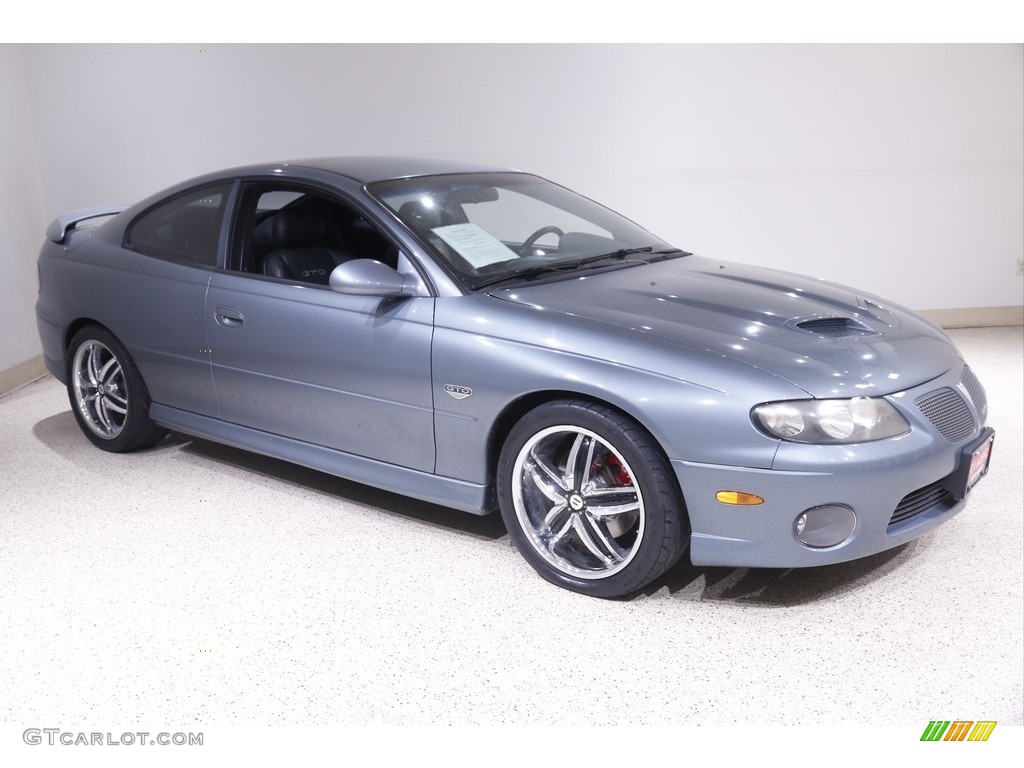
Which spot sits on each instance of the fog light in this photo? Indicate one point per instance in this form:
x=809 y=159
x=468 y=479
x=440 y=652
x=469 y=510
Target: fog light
x=826 y=526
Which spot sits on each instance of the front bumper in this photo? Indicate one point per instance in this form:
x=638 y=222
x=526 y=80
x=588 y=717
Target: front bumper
x=898 y=488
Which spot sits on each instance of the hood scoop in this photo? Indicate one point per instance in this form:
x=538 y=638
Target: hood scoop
x=836 y=327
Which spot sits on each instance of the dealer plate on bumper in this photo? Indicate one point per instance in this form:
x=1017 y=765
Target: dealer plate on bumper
x=974 y=462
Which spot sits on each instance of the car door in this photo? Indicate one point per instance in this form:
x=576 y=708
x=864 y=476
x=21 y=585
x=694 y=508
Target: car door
x=292 y=357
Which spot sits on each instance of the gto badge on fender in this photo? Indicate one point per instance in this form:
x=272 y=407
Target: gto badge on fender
x=459 y=393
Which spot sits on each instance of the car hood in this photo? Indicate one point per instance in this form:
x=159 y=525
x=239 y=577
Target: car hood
x=829 y=340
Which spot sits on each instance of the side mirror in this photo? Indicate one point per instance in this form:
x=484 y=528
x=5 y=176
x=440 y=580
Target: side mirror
x=368 y=277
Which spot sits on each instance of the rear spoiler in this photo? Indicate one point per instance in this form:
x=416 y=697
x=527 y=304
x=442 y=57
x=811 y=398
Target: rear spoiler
x=59 y=227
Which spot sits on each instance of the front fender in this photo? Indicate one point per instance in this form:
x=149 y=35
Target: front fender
x=695 y=404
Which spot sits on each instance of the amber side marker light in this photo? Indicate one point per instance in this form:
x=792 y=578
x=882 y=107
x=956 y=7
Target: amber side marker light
x=739 y=498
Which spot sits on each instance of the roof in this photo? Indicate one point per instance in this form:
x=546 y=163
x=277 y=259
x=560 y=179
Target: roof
x=380 y=168
x=362 y=170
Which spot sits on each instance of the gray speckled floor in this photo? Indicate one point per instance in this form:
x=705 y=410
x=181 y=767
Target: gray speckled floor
x=194 y=583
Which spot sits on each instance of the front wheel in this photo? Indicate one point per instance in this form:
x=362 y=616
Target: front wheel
x=107 y=394
x=589 y=499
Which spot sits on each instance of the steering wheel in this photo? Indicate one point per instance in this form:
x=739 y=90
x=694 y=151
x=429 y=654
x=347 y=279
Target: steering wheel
x=528 y=243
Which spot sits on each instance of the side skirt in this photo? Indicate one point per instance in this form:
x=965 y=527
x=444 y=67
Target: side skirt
x=446 y=491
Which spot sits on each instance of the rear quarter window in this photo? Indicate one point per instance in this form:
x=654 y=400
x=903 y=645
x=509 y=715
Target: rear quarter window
x=185 y=229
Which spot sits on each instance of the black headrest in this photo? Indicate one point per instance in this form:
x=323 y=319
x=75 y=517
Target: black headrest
x=293 y=229
x=420 y=215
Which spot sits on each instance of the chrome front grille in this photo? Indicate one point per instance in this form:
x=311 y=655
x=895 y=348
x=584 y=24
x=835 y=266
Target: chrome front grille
x=945 y=409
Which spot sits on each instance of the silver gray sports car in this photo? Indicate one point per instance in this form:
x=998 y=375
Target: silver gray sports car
x=483 y=338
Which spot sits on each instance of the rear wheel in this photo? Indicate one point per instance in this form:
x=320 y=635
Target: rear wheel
x=589 y=499
x=107 y=394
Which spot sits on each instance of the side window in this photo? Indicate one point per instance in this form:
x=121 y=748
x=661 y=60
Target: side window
x=185 y=229
x=300 y=234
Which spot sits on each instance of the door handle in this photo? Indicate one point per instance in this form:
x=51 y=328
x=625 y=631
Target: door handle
x=228 y=317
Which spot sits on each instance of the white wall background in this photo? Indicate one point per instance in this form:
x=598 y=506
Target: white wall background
x=21 y=216
x=899 y=169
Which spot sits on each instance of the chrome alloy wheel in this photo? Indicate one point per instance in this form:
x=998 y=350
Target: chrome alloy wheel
x=100 y=393
x=576 y=500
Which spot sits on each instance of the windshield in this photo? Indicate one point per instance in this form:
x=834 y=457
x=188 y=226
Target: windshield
x=504 y=227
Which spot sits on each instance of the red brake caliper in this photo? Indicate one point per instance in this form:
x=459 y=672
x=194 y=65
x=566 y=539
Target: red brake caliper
x=618 y=471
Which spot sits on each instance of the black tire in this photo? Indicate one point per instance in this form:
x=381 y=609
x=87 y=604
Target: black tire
x=107 y=394
x=590 y=500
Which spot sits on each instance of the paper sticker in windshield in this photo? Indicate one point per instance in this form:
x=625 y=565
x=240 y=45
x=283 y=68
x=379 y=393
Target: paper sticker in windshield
x=474 y=244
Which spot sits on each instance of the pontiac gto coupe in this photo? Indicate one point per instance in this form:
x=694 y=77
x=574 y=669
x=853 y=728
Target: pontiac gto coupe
x=483 y=338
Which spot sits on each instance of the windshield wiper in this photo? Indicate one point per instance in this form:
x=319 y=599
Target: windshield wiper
x=619 y=254
x=530 y=273
x=565 y=266
x=622 y=253
x=668 y=253
x=527 y=274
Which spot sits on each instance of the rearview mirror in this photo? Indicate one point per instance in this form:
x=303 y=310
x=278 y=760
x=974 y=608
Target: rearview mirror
x=473 y=195
x=368 y=277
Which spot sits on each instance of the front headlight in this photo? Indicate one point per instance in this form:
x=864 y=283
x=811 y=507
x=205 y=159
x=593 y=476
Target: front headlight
x=857 y=420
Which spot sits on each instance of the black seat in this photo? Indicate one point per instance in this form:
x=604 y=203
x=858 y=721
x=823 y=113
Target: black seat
x=299 y=248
